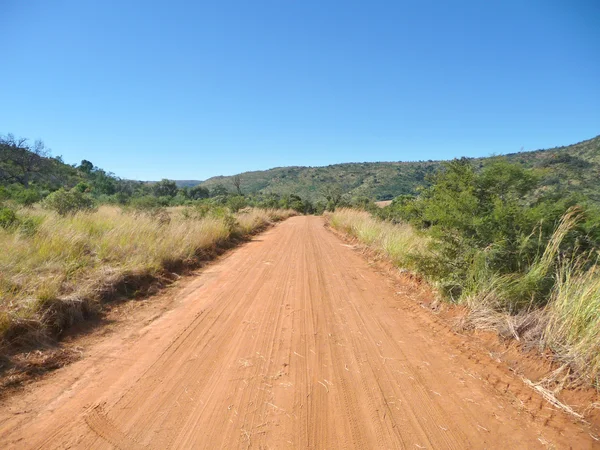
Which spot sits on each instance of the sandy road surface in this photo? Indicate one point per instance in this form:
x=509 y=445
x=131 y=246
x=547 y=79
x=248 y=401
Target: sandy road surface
x=291 y=341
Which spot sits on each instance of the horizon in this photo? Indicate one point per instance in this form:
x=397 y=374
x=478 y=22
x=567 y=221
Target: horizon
x=189 y=92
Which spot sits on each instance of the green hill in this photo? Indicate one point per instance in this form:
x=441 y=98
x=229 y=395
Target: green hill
x=575 y=167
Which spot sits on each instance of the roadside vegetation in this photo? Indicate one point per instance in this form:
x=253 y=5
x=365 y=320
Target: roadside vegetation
x=522 y=257
x=75 y=237
x=515 y=238
x=58 y=269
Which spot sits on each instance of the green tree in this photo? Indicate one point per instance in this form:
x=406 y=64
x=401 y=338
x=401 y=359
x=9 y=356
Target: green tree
x=165 y=188
x=86 y=166
x=236 y=202
x=219 y=190
x=103 y=183
x=237 y=182
x=198 y=192
x=333 y=194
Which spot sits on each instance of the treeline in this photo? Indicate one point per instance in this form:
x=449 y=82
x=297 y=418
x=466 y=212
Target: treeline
x=30 y=175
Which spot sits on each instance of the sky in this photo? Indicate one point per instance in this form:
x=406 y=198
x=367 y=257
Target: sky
x=189 y=90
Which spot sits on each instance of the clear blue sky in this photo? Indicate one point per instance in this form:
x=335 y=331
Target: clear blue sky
x=188 y=90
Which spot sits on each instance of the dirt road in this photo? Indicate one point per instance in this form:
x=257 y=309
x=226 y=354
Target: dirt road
x=291 y=341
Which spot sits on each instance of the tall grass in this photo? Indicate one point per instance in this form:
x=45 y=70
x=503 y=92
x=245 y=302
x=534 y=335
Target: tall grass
x=515 y=292
x=573 y=314
x=54 y=270
x=396 y=242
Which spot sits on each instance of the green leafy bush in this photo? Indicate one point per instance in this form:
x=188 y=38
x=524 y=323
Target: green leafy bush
x=68 y=202
x=236 y=202
x=8 y=218
x=492 y=224
x=144 y=203
x=27 y=197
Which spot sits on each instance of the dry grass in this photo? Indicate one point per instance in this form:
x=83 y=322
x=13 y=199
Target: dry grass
x=573 y=320
x=396 y=242
x=57 y=271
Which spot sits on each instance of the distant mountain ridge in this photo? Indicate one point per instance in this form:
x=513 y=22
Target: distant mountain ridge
x=575 y=167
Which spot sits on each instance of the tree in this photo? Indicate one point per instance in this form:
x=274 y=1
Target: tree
x=165 y=188
x=333 y=195
x=219 y=190
x=103 y=182
x=198 y=192
x=86 y=166
x=237 y=182
x=19 y=160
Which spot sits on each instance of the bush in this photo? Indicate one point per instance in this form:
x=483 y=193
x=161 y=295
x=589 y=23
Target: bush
x=236 y=202
x=20 y=195
x=82 y=187
x=4 y=194
x=145 y=203
x=8 y=218
x=198 y=193
x=68 y=202
x=492 y=223
x=27 y=197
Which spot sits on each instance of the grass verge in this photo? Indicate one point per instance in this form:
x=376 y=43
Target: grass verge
x=58 y=270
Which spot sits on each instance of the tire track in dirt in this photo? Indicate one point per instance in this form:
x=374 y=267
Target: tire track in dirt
x=292 y=341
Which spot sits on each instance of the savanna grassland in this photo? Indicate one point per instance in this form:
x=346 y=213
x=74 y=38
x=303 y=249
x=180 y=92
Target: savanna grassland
x=514 y=238
x=60 y=269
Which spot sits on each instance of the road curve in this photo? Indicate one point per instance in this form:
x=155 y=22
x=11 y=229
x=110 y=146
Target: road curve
x=291 y=341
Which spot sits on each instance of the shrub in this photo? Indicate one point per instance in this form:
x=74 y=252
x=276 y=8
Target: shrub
x=82 y=187
x=8 y=218
x=68 y=202
x=27 y=197
x=236 y=202
x=198 y=193
x=20 y=195
x=4 y=194
x=145 y=203
x=489 y=222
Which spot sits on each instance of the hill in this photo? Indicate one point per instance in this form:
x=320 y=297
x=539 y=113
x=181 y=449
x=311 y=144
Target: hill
x=574 y=167
x=29 y=172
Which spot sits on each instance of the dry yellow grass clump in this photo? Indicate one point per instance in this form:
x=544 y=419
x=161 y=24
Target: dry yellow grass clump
x=57 y=270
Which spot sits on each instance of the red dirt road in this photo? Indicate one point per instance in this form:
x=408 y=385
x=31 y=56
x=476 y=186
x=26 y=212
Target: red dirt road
x=292 y=341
